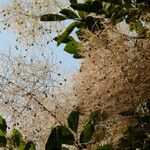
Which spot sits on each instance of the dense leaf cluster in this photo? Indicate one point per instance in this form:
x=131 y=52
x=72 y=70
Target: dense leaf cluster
x=70 y=135
x=15 y=140
x=135 y=13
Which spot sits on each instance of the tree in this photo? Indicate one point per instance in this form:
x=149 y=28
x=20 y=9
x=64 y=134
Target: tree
x=22 y=17
x=114 y=73
x=15 y=140
x=32 y=94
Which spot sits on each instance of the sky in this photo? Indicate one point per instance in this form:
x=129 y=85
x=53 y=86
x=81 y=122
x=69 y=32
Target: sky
x=8 y=43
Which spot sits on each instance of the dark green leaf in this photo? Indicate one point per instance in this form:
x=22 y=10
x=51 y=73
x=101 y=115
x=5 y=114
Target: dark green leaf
x=73 y=1
x=73 y=120
x=69 y=13
x=54 y=140
x=88 y=7
x=118 y=15
x=86 y=134
x=16 y=138
x=77 y=56
x=93 y=24
x=127 y=113
x=3 y=139
x=72 y=47
x=30 y=146
x=68 y=39
x=52 y=17
x=66 y=33
x=146 y=119
x=116 y=2
x=82 y=14
x=148 y=105
x=66 y=135
x=94 y=117
x=58 y=136
x=3 y=125
x=105 y=147
x=109 y=10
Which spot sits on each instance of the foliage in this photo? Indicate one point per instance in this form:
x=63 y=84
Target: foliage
x=81 y=20
x=134 y=13
x=136 y=136
x=15 y=140
x=22 y=17
x=69 y=135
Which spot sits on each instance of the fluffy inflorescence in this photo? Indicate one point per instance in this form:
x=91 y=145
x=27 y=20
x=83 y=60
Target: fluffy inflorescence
x=114 y=77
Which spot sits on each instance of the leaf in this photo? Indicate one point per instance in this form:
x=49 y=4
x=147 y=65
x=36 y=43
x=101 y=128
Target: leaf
x=66 y=33
x=82 y=14
x=93 y=24
x=52 y=17
x=146 y=119
x=86 y=134
x=30 y=146
x=16 y=138
x=109 y=10
x=105 y=147
x=77 y=56
x=3 y=139
x=54 y=140
x=3 y=125
x=148 y=105
x=68 y=39
x=72 y=47
x=95 y=6
x=73 y=1
x=94 y=117
x=73 y=120
x=66 y=135
x=69 y=13
x=127 y=113
x=59 y=135
x=118 y=15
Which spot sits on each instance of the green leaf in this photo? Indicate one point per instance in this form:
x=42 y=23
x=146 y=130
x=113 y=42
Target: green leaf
x=69 y=13
x=30 y=146
x=88 y=7
x=73 y=1
x=146 y=119
x=3 y=139
x=58 y=136
x=118 y=15
x=94 y=117
x=128 y=113
x=16 y=138
x=68 y=39
x=3 y=125
x=73 y=120
x=109 y=10
x=66 y=135
x=86 y=134
x=66 y=33
x=77 y=56
x=54 y=140
x=105 y=147
x=52 y=17
x=72 y=47
x=148 y=105
x=82 y=14
x=21 y=146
